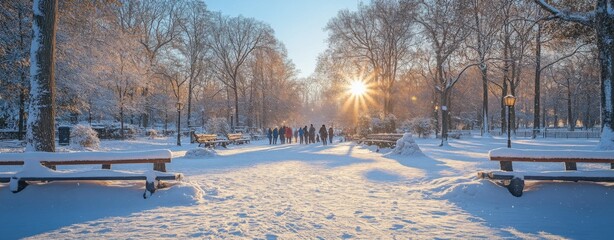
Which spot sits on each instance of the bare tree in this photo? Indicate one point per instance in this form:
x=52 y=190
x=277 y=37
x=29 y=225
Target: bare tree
x=380 y=35
x=485 y=25
x=601 y=19
x=41 y=120
x=232 y=40
x=445 y=29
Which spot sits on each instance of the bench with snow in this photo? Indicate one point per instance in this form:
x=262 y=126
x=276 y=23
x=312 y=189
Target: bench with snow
x=381 y=140
x=514 y=181
x=237 y=138
x=209 y=140
x=41 y=166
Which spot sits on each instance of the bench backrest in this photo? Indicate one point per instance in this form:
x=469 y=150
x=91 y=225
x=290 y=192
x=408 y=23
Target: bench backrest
x=391 y=137
x=204 y=137
x=235 y=136
x=79 y=158
x=526 y=155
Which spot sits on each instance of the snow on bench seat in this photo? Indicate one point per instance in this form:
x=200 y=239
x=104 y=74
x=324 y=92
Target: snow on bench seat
x=36 y=167
x=529 y=155
x=157 y=157
x=84 y=156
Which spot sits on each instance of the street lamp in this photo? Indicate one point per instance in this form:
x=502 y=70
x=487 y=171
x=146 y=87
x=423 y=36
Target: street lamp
x=179 y=105
x=436 y=121
x=509 y=101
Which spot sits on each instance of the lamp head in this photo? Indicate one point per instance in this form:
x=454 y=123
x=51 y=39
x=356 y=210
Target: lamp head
x=509 y=100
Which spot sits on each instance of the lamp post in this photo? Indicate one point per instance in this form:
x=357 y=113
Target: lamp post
x=509 y=101
x=436 y=121
x=179 y=105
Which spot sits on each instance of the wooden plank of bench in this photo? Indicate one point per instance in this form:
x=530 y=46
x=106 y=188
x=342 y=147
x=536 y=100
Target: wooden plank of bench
x=158 y=164
x=550 y=159
x=598 y=176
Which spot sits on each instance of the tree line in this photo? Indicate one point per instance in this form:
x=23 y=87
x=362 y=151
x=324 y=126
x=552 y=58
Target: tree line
x=138 y=61
x=456 y=61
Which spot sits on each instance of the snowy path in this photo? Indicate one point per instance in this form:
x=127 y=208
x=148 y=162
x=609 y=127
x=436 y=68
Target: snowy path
x=315 y=192
x=258 y=191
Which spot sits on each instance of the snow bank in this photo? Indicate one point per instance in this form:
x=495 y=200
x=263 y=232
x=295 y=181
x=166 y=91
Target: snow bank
x=200 y=153
x=85 y=156
x=406 y=146
x=527 y=153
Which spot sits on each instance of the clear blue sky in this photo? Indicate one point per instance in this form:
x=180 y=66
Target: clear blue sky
x=298 y=24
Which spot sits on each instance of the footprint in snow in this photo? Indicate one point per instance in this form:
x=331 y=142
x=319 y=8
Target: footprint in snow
x=270 y=237
x=396 y=227
x=330 y=216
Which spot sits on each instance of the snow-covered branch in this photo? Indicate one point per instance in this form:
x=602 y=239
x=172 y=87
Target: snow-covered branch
x=582 y=18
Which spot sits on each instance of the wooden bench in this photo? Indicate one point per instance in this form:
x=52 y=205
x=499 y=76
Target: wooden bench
x=209 y=140
x=41 y=166
x=237 y=138
x=514 y=181
x=381 y=140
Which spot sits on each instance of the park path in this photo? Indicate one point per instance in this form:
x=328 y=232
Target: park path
x=297 y=192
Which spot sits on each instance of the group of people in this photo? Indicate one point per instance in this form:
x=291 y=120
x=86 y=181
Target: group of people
x=303 y=135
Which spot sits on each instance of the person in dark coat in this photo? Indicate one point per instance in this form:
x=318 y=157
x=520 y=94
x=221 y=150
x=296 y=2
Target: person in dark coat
x=301 y=135
x=306 y=134
x=282 y=134
x=275 y=133
x=330 y=134
x=269 y=134
x=323 y=134
x=312 y=134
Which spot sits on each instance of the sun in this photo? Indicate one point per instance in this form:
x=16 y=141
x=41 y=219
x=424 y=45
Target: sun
x=358 y=88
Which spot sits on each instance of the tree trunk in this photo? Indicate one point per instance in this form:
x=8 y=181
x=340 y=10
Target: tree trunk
x=41 y=120
x=605 y=43
x=121 y=121
x=22 y=112
x=536 y=98
x=444 y=116
x=188 y=119
x=484 y=131
x=570 y=121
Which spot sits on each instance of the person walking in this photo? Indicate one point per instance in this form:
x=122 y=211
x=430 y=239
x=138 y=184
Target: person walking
x=282 y=134
x=312 y=134
x=306 y=134
x=301 y=134
x=288 y=135
x=323 y=135
x=275 y=133
x=296 y=135
x=330 y=134
x=269 y=135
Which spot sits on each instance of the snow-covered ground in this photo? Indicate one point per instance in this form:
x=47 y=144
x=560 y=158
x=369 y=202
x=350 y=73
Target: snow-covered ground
x=342 y=190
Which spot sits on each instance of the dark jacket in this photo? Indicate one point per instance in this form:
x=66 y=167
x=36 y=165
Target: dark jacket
x=323 y=132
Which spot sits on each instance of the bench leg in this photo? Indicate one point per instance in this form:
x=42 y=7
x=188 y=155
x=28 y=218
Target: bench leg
x=570 y=166
x=160 y=167
x=516 y=187
x=150 y=188
x=16 y=185
x=506 y=166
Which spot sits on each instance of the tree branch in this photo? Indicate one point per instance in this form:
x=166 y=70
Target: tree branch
x=586 y=19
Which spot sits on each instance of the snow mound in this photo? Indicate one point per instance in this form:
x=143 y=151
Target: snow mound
x=200 y=153
x=406 y=146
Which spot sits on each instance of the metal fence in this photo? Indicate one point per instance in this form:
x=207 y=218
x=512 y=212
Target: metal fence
x=553 y=133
